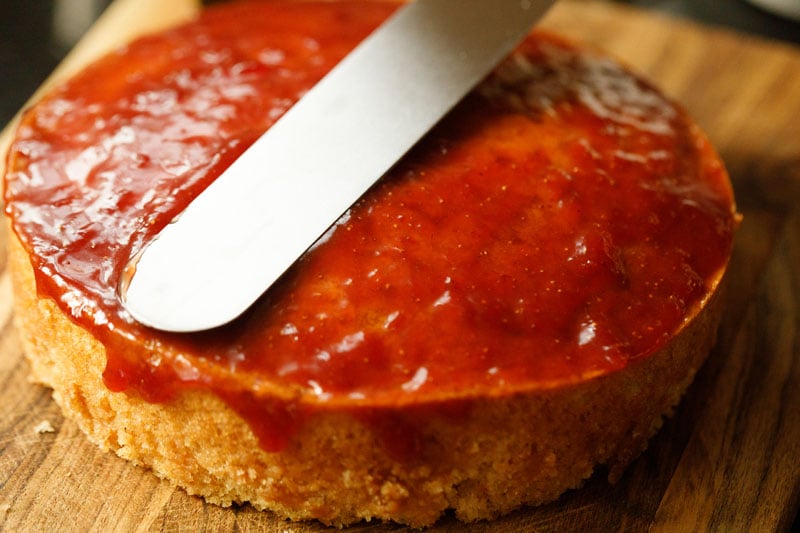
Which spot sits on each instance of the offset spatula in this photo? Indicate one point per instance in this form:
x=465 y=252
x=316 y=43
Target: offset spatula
x=249 y=226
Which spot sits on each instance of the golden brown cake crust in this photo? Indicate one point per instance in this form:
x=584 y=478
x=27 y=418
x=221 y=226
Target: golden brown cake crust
x=524 y=449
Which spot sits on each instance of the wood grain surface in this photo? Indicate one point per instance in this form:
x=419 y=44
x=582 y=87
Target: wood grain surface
x=728 y=459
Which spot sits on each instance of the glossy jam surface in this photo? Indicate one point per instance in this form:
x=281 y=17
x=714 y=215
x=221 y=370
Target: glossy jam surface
x=562 y=222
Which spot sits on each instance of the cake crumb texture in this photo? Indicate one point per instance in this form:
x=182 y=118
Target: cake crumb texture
x=508 y=452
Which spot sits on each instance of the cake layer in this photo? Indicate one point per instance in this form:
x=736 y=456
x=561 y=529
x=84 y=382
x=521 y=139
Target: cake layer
x=521 y=298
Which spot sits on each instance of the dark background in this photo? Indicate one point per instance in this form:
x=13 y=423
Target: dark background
x=36 y=34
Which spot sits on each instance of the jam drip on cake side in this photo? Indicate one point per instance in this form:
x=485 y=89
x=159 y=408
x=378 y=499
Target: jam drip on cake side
x=563 y=221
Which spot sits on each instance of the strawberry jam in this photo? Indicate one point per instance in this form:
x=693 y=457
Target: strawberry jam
x=563 y=222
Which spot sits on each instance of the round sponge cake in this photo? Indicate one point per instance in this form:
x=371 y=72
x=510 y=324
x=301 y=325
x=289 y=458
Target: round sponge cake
x=522 y=298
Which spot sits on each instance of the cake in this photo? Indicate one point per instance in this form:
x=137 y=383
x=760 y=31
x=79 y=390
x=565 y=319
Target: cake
x=521 y=299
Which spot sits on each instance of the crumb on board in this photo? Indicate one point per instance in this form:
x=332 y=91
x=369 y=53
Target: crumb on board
x=44 y=427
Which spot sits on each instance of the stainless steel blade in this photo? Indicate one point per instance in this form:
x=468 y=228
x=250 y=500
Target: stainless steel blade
x=249 y=226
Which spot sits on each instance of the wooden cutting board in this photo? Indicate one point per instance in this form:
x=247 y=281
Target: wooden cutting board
x=728 y=460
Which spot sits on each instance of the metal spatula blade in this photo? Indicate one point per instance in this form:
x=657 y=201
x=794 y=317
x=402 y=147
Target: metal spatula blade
x=249 y=226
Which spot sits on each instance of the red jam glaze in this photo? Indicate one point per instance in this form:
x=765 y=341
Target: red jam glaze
x=565 y=220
